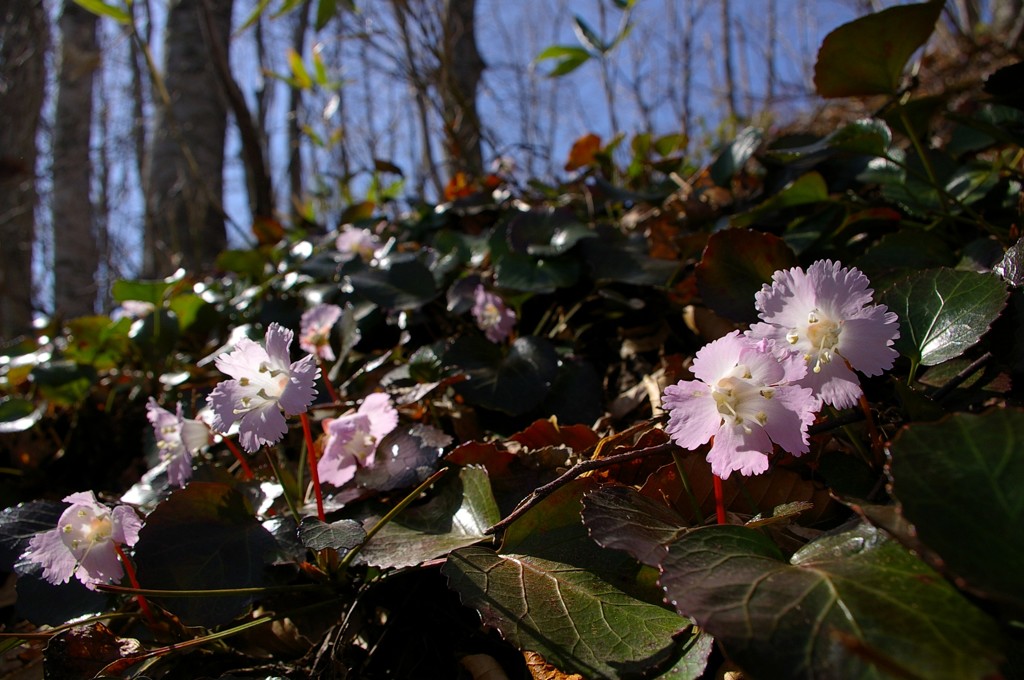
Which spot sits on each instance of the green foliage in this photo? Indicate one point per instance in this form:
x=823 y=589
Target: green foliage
x=891 y=549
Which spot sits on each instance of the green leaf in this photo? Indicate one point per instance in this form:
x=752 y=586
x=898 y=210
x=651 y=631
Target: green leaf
x=102 y=9
x=804 y=190
x=842 y=607
x=461 y=508
x=396 y=284
x=342 y=535
x=869 y=136
x=944 y=312
x=569 y=58
x=254 y=16
x=246 y=262
x=614 y=257
x=18 y=415
x=619 y=517
x=203 y=537
x=98 y=341
x=867 y=56
x=732 y=159
x=587 y=36
x=517 y=271
x=300 y=75
x=575 y=620
x=734 y=266
x=64 y=382
x=512 y=382
x=325 y=10
x=961 y=483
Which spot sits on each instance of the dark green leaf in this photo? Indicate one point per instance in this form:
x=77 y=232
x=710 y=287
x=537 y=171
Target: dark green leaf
x=732 y=159
x=944 y=312
x=64 y=382
x=618 y=517
x=246 y=262
x=98 y=341
x=734 y=266
x=1011 y=267
x=612 y=257
x=867 y=55
x=514 y=382
x=575 y=620
x=587 y=36
x=869 y=136
x=325 y=10
x=806 y=189
x=516 y=271
x=397 y=284
x=461 y=508
x=342 y=535
x=842 y=607
x=18 y=415
x=961 y=483
x=203 y=537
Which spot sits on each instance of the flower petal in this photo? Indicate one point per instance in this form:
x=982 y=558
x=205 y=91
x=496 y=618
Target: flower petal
x=693 y=415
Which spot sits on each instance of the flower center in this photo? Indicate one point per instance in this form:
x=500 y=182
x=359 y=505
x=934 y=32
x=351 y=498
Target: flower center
x=84 y=530
x=737 y=400
x=491 y=315
x=822 y=339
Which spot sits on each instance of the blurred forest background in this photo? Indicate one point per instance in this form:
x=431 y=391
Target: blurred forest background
x=137 y=137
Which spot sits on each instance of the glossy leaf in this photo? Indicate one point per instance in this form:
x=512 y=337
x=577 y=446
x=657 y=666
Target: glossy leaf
x=734 y=266
x=342 y=535
x=868 y=55
x=619 y=517
x=841 y=607
x=806 y=189
x=577 y=621
x=516 y=271
x=405 y=457
x=18 y=415
x=731 y=160
x=203 y=537
x=869 y=136
x=944 y=312
x=103 y=9
x=457 y=514
x=961 y=483
x=512 y=382
x=567 y=58
x=398 y=284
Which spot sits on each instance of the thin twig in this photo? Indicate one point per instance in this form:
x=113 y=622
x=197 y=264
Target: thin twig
x=542 y=492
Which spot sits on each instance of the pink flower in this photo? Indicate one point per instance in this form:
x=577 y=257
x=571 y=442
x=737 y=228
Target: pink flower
x=740 y=399
x=492 y=316
x=315 y=336
x=353 y=242
x=352 y=439
x=85 y=542
x=265 y=388
x=177 y=439
x=824 y=316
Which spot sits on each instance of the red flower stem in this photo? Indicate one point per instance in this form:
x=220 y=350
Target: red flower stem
x=313 y=474
x=129 y=569
x=246 y=470
x=331 y=392
x=719 y=500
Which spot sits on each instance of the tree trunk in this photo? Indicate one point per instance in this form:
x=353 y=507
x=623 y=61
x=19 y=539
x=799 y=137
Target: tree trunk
x=460 y=71
x=76 y=257
x=24 y=36
x=729 y=73
x=185 y=164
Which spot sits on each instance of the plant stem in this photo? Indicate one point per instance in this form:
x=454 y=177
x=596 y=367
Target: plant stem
x=382 y=522
x=314 y=475
x=719 y=500
x=239 y=456
x=129 y=569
